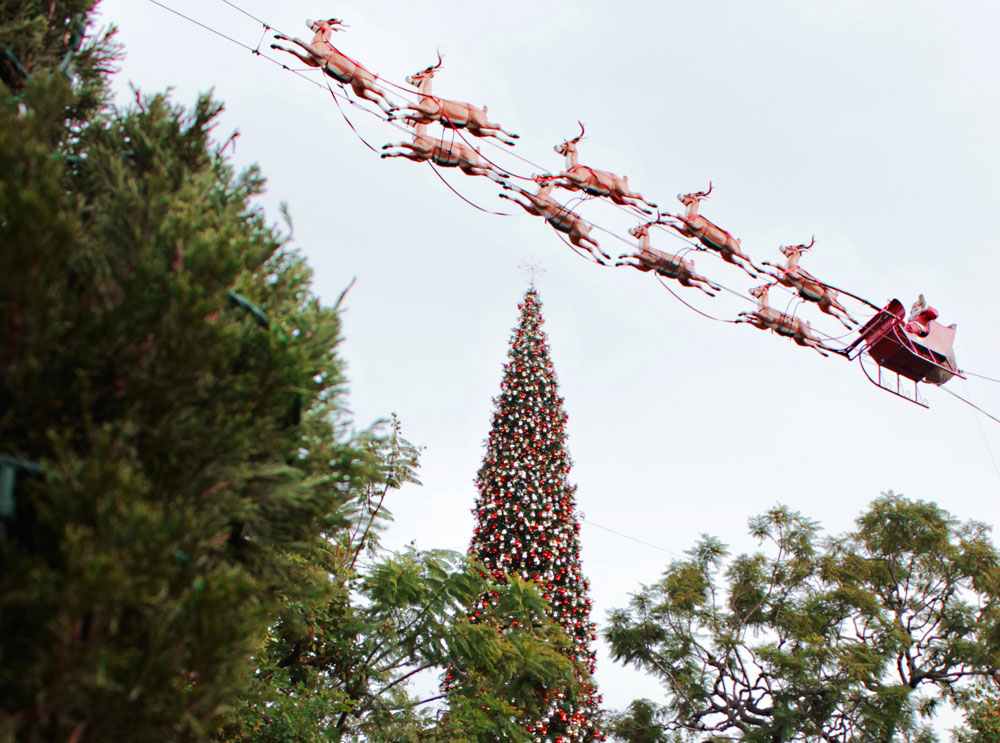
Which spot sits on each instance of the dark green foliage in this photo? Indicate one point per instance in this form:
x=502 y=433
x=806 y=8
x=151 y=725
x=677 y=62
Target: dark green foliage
x=179 y=495
x=982 y=714
x=859 y=638
x=642 y=722
x=339 y=666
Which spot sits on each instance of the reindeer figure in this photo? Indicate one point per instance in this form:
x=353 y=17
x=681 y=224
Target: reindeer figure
x=766 y=317
x=446 y=154
x=321 y=53
x=451 y=114
x=665 y=264
x=807 y=285
x=708 y=234
x=578 y=177
x=557 y=215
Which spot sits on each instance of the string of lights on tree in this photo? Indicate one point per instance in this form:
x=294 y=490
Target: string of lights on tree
x=525 y=510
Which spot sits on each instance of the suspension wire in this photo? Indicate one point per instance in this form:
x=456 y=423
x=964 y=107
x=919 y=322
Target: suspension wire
x=844 y=291
x=586 y=256
x=248 y=15
x=393 y=123
x=207 y=28
x=467 y=201
x=580 y=199
x=634 y=539
x=691 y=307
x=690 y=245
x=332 y=95
x=979 y=423
x=969 y=403
x=980 y=376
x=829 y=337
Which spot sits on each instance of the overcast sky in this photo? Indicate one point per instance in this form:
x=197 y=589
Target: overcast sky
x=870 y=124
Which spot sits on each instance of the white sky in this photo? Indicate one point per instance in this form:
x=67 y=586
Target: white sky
x=872 y=125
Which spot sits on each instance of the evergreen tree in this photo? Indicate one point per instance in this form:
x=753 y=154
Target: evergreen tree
x=526 y=515
x=184 y=510
x=173 y=444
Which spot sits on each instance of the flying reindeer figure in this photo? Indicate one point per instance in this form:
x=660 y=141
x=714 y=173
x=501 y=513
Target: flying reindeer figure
x=321 y=53
x=557 y=215
x=807 y=285
x=578 y=177
x=451 y=114
x=766 y=317
x=665 y=264
x=710 y=235
x=448 y=154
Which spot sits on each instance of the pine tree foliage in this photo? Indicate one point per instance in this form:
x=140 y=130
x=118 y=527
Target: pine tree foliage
x=526 y=515
x=981 y=706
x=169 y=463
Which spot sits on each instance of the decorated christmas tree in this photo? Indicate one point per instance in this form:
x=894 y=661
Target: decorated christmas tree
x=526 y=514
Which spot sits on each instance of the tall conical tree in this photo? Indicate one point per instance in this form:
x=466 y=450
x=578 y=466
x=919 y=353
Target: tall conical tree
x=526 y=513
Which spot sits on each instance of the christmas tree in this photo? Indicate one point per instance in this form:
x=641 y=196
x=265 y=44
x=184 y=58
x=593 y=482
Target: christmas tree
x=526 y=514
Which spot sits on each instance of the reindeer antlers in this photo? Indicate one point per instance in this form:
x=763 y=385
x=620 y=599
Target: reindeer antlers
x=433 y=66
x=799 y=248
x=697 y=194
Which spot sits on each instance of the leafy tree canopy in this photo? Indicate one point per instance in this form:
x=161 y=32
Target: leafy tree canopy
x=856 y=638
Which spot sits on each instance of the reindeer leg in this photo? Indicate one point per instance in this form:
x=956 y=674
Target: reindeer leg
x=313 y=60
x=530 y=208
x=416 y=156
x=470 y=169
x=579 y=239
x=485 y=131
x=815 y=345
x=732 y=259
x=627 y=193
x=500 y=129
x=635 y=204
x=364 y=87
x=843 y=311
x=417 y=113
x=405 y=145
x=417 y=153
x=829 y=309
x=702 y=284
x=494 y=176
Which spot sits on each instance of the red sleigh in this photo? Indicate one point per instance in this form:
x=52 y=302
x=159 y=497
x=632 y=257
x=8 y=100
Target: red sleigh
x=920 y=350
